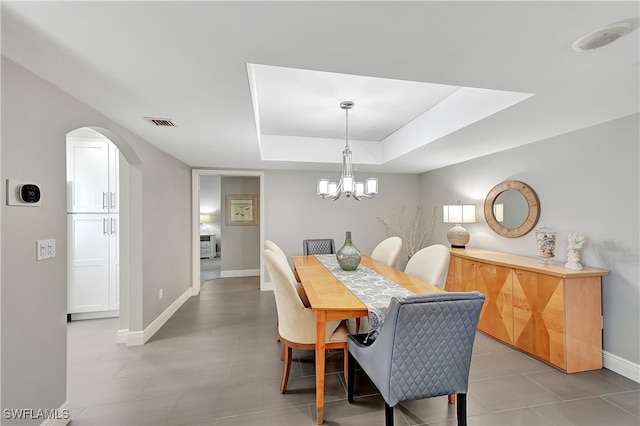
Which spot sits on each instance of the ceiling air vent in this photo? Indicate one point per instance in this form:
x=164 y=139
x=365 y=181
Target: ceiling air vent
x=162 y=122
x=601 y=37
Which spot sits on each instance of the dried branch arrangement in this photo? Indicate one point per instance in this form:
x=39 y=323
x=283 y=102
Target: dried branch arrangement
x=415 y=233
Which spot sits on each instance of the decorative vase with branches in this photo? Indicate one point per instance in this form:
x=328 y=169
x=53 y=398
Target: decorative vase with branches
x=415 y=232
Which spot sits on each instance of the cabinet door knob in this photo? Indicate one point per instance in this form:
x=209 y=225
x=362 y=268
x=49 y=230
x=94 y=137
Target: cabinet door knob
x=104 y=226
x=104 y=200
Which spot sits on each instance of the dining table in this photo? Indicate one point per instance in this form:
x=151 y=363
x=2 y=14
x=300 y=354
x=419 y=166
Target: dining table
x=331 y=299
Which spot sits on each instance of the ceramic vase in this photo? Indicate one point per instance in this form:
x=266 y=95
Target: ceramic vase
x=348 y=256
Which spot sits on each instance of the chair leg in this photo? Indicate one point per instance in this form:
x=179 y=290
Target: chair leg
x=388 y=414
x=346 y=365
x=282 y=352
x=452 y=398
x=351 y=368
x=461 y=409
x=286 y=368
x=357 y=325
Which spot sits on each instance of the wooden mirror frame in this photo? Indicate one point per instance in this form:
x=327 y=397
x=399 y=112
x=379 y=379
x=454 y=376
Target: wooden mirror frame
x=532 y=200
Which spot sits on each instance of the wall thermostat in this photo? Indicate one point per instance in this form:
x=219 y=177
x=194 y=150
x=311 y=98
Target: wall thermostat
x=30 y=193
x=21 y=193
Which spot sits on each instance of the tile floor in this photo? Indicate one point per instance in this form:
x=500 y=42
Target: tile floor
x=216 y=362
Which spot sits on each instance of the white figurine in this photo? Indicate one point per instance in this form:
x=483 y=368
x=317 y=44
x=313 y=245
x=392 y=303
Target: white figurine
x=576 y=241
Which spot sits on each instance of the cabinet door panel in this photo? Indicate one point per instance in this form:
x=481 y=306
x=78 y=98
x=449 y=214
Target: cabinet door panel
x=88 y=257
x=539 y=316
x=87 y=176
x=496 y=317
x=454 y=274
x=467 y=275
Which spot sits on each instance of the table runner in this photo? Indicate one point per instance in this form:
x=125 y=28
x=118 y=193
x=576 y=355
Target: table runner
x=371 y=288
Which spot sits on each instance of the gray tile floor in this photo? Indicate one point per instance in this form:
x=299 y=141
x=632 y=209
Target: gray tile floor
x=216 y=362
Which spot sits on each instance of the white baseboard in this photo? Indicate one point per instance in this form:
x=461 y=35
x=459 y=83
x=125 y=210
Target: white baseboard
x=621 y=366
x=94 y=315
x=240 y=273
x=267 y=286
x=121 y=335
x=138 y=338
x=59 y=417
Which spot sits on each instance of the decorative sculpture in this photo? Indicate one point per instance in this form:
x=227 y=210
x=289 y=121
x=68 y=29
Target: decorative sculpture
x=576 y=242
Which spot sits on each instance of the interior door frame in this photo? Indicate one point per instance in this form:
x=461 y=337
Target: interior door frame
x=195 y=218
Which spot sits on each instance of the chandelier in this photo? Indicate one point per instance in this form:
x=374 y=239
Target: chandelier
x=347 y=184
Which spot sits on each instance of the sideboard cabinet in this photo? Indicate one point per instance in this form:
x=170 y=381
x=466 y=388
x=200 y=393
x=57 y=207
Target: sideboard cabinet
x=548 y=311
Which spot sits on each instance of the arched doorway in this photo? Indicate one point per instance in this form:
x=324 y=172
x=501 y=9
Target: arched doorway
x=130 y=239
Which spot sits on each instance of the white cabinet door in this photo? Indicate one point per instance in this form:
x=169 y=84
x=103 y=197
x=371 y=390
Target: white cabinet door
x=88 y=258
x=87 y=176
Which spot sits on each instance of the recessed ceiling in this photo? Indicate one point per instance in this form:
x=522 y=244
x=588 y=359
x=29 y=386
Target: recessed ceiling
x=231 y=75
x=299 y=119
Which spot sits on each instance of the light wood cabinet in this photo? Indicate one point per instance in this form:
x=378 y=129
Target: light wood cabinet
x=547 y=311
x=496 y=318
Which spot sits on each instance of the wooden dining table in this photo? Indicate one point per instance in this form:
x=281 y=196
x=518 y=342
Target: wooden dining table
x=331 y=300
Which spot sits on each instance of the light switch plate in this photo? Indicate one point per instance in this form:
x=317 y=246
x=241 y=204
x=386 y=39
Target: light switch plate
x=45 y=249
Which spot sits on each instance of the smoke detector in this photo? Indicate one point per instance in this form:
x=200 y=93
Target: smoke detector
x=601 y=37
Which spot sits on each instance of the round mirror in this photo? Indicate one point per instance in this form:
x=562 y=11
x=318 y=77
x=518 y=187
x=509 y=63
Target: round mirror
x=512 y=209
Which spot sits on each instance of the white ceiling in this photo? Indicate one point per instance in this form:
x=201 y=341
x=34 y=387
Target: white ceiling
x=258 y=84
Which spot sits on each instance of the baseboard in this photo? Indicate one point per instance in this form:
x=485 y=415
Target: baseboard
x=240 y=273
x=267 y=286
x=621 y=366
x=59 y=417
x=121 y=335
x=94 y=315
x=138 y=338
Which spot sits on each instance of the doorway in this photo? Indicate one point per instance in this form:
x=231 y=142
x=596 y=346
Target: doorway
x=210 y=227
x=93 y=222
x=199 y=177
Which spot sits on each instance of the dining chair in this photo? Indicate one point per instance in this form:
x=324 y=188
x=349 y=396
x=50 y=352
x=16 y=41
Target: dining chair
x=318 y=246
x=430 y=264
x=268 y=244
x=423 y=350
x=297 y=323
x=388 y=251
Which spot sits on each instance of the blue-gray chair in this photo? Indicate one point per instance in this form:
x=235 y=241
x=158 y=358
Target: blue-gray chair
x=423 y=350
x=318 y=246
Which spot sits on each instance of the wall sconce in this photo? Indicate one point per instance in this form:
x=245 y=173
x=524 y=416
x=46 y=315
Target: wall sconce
x=458 y=213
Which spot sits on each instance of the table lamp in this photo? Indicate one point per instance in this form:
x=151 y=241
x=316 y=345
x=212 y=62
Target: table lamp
x=458 y=213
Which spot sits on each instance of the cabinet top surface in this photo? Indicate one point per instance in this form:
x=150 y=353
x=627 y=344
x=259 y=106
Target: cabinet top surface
x=526 y=263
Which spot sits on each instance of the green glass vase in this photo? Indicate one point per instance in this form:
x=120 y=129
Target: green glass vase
x=348 y=256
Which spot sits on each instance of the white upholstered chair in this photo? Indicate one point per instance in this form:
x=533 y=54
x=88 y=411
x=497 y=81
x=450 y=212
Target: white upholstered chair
x=430 y=264
x=297 y=323
x=270 y=245
x=388 y=251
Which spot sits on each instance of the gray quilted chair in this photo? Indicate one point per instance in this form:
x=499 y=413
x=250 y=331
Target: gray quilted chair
x=423 y=350
x=322 y=246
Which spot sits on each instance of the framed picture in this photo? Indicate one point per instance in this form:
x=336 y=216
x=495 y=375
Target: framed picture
x=242 y=210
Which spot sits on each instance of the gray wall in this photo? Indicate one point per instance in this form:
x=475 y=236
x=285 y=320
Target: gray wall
x=241 y=243
x=587 y=181
x=36 y=117
x=294 y=212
